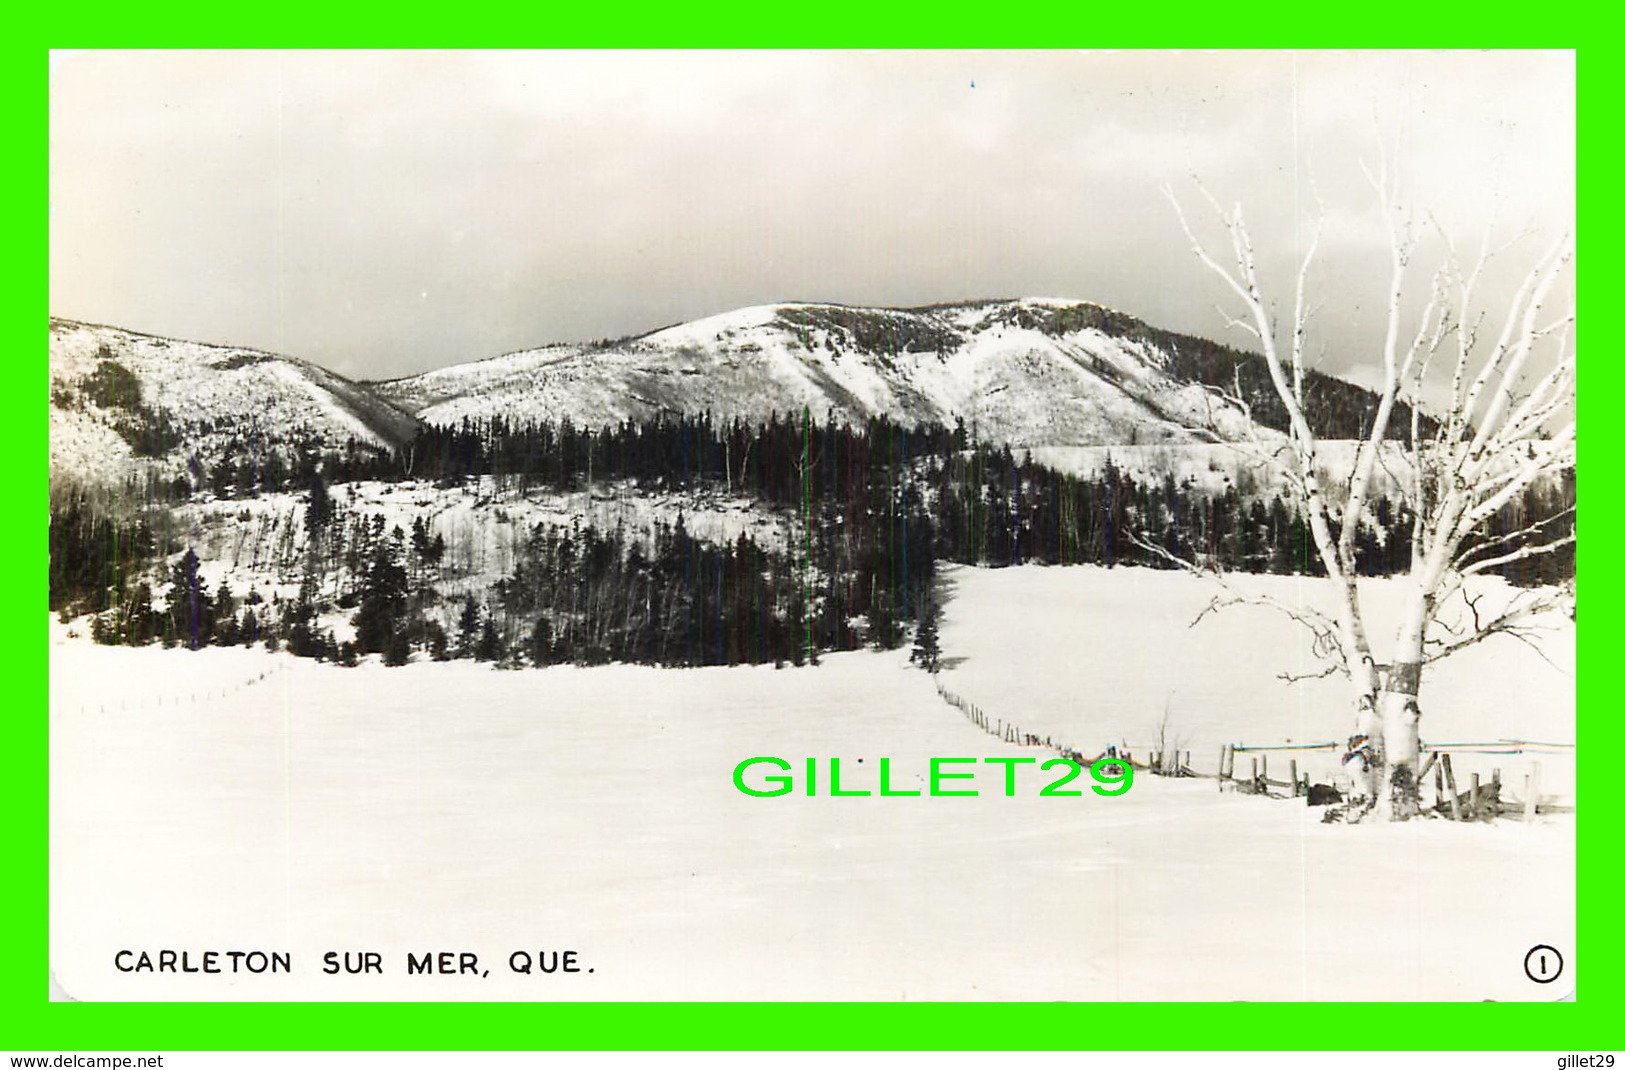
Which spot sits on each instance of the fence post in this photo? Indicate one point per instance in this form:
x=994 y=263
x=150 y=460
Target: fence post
x=1478 y=801
x=1433 y=757
x=1450 y=779
x=1531 y=804
x=1293 y=765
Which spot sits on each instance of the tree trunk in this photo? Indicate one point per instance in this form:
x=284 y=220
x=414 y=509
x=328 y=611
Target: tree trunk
x=1399 y=716
x=1398 y=798
x=1364 y=758
x=1384 y=753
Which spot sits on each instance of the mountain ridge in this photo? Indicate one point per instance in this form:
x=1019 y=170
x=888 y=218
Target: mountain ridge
x=124 y=401
x=1118 y=347
x=1080 y=378
x=1033 y=372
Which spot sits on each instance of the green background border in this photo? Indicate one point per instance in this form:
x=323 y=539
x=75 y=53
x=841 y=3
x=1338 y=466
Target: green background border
x=29 y=1021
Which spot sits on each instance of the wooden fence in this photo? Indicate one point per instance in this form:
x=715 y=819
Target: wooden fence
x=1159 y=763
x=177 y=699
x=1479 y=800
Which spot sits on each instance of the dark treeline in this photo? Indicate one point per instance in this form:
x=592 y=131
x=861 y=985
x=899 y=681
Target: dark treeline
x=863 y=516
x=984 y=506
x=586 y=597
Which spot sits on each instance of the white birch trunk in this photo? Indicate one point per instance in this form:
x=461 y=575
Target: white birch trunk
x=1400 y=714
x=1482 y=459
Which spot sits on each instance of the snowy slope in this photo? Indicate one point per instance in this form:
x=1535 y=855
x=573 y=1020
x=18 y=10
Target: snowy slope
x=260 y=544
x=1035 y=371
x=1214 y=466
x=110 y=387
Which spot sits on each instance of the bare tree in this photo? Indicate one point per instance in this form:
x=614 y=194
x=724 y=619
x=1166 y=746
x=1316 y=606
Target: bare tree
x=1506 y=422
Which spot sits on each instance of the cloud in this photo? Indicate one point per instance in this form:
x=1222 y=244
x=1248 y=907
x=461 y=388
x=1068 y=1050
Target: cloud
x=306 y=201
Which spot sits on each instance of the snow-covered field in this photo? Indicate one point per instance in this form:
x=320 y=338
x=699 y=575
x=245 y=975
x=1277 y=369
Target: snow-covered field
x=239 y=800
x=1095 y=656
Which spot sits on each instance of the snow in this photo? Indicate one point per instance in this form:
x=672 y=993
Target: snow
x=1214 y=466
x=260 y=543
x=234 y=799
x=1026 y=388
x=80 y=443
x=508 y=374
x=244 y=392
x=1082 y=388
x=334 y=415
x=1054 y=302
x=706 y=331
x=1093 y=656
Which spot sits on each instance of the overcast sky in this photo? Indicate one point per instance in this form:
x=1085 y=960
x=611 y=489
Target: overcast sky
x=387 y=213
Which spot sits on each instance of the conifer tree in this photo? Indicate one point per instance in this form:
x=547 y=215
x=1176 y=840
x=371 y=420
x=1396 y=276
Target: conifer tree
x=191 y=622
x=383 y=599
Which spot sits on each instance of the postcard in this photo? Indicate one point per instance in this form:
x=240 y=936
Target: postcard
x=767 y=526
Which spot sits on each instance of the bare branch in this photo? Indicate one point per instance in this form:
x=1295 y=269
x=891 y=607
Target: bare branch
x=1331 y=669
x=1505 y=623
x=1545 y=456
x=1506 y=360
x=1198 y=248
x=1519 y=554
x=1522 y=636
x=1255 y=449
x=1526 y=532
x=1236 y=321
x=1394 y=372
x=1322 y=628
x=1301 y=313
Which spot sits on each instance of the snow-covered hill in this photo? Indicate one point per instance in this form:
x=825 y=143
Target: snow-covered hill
x=262 y=544
x=123 y=401
x=1035 y=371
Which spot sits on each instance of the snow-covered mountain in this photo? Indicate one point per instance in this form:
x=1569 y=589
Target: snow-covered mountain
x=1038 y=373
x=123 y=401
x=1034 y=372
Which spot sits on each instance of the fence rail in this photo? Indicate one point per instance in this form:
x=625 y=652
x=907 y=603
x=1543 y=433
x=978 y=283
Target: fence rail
x=1480 y=801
